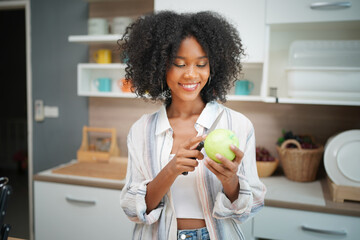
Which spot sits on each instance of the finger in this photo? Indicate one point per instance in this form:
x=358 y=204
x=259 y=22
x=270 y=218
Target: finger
x=238 y=153
x=193 y=142
x=187 y=161
x=193 y=154
x=226 y=163
x=215 y=167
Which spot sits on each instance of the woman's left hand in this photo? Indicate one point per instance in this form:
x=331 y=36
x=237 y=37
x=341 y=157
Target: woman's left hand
x=226 y=172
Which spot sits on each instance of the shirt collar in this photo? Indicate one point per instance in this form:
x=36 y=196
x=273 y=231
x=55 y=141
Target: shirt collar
x=163 y=121
x=206 y=118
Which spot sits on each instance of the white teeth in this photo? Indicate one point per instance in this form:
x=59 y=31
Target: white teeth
x=189 y=85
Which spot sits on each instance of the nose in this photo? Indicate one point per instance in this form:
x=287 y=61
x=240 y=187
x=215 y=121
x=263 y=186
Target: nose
x=190 y=73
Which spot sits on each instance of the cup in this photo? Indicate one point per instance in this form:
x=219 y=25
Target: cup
x=243 y=87
x=98 y=26
x=124 y=85
x=102 y=56
x=119 y=24
x=103 y=84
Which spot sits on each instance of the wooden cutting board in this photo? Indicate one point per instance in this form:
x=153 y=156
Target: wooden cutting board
x=115 y=171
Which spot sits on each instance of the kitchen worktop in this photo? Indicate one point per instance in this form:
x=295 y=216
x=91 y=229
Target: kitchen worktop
x=49 y=176
x=281 y=192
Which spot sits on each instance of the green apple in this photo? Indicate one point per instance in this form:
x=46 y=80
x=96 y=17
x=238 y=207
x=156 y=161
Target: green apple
x=219 y=141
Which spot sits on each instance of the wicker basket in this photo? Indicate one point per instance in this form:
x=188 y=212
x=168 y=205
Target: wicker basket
x=300 y=165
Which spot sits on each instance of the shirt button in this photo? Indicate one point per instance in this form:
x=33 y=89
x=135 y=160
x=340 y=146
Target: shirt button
x=183 y=236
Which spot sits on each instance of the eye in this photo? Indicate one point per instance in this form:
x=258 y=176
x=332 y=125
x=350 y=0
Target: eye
x=201 y=65
x=179 y=65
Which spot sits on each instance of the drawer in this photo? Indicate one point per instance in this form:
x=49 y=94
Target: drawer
x=64 y=211
x=282 y=223
x=302 y=11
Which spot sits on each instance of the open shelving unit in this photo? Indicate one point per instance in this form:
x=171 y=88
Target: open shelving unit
x=89 y=72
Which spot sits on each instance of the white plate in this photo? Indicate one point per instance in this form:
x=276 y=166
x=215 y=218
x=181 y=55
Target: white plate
x=342 y=158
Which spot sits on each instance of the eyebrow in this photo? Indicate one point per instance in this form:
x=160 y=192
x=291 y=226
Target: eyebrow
x=202 y=57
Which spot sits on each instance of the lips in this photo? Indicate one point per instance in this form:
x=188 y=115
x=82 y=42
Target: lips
x=189 y=86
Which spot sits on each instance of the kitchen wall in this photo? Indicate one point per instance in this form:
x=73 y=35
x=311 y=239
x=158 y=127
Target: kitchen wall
x=54 y=61
x=269 y=119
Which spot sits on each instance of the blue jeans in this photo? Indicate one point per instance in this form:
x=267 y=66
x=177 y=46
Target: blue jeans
x=193 y=234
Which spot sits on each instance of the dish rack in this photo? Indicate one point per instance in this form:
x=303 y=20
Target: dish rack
x=324 y=69
x=340 y=193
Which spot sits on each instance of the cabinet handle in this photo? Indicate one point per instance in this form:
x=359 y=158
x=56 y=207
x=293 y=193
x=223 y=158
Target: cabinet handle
x=78 y=200
x=330 y=5
x=325 y=231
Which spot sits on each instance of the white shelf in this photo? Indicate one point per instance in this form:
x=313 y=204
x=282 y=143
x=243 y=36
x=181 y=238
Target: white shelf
x=94 y=66
x=318 y=101
x=110 y=38
x=247 y=98
x=107 y=94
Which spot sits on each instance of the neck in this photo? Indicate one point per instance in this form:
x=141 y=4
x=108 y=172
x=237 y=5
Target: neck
x=185 y=109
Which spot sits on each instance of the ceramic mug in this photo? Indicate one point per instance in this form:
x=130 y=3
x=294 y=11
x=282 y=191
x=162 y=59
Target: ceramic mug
x=103 y=84
x=102 y=56
x=119 y=24
x=98 y=26
x=243 y=87
x=124 y=85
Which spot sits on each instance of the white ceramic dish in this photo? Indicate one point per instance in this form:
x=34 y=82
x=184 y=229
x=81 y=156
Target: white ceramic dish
x=342 y=158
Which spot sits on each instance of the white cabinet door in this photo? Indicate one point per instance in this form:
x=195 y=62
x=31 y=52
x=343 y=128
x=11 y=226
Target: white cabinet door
x=248 y=16
x=288 y=224
x=301 y=11
x=64 y=211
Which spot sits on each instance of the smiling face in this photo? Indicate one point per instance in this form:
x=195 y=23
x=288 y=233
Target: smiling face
x=189 y=71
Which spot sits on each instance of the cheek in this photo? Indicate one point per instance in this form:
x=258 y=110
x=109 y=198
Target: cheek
x=205 y=73
x=171 y=76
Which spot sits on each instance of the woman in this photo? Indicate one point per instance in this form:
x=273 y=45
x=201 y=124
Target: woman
x=187 y=61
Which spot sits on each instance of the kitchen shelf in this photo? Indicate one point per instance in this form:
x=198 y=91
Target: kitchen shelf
x=318 y=102
x=279 y=40
x=109 y=38
x=87 y=73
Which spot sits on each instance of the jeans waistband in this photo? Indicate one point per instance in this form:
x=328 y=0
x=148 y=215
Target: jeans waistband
x=193 y=234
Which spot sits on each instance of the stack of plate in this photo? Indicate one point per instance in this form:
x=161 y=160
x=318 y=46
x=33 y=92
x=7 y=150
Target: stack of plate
x=342 y=158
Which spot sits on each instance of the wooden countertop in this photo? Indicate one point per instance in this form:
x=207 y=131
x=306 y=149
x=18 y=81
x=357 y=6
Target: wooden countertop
x=50 y=176
x=282 y=193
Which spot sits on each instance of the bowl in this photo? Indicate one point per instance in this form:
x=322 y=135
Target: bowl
x=266 y=168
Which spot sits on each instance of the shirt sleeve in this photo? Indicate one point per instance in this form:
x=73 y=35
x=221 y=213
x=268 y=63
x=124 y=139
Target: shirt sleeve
x=133 y=194
x=252 y=190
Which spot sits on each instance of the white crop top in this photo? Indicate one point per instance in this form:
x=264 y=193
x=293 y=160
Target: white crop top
x=186 y=197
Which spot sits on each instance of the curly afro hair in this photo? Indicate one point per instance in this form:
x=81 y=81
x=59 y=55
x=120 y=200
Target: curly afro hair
x=151 y=43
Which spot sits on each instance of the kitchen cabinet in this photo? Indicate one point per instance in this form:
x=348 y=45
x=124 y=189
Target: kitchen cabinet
x=287 y=22
x=254 y=43
x=283 y=11
x=66 y=211
x=267 y=40
x=247 y=16
x=87 y=73
x=281 y=223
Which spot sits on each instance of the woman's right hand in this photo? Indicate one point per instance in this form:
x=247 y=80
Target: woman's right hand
x=185 y=159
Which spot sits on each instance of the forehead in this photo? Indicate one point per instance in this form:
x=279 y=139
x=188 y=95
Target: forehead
x=190 y=48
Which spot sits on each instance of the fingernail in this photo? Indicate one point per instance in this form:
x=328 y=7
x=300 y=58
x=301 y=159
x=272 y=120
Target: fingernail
x=232 y=146
x=218 y=156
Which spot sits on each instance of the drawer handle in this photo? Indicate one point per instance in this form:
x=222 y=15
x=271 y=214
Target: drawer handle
x=330 y=5
x=78 y=200
x=325 y=231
